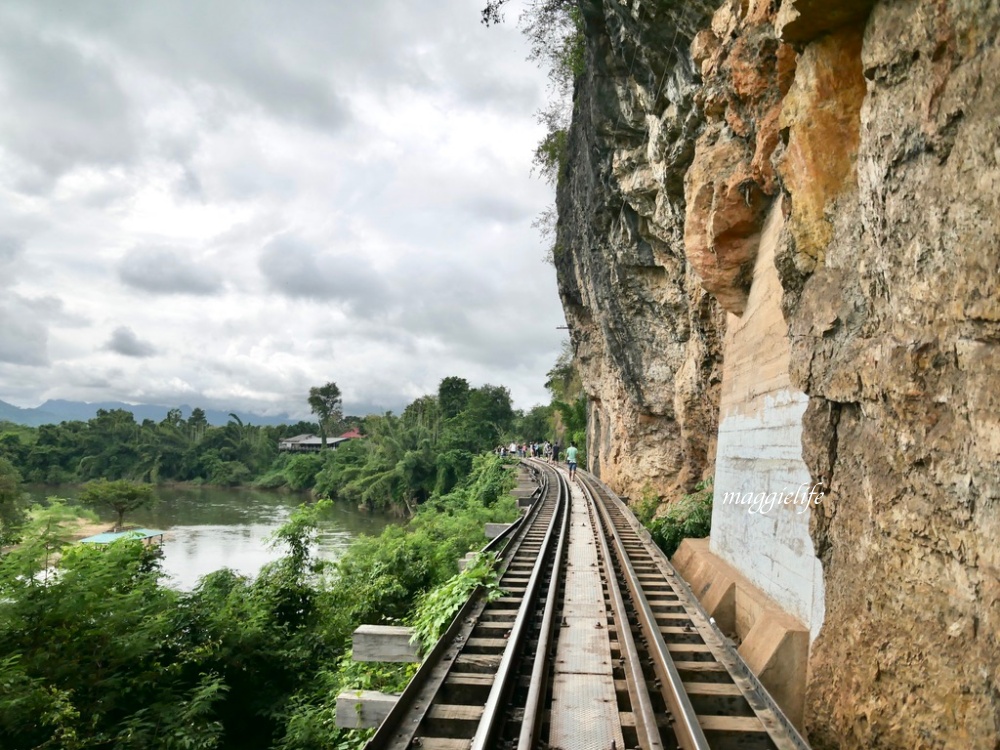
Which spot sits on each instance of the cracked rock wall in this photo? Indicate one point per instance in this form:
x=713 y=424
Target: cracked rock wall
x=647 y=336
x=895 y=338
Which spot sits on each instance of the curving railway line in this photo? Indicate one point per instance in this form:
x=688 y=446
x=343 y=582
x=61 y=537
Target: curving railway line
x=596 y=643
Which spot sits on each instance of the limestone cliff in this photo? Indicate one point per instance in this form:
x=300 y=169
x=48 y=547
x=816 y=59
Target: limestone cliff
x=872 y=128
x=646 y=335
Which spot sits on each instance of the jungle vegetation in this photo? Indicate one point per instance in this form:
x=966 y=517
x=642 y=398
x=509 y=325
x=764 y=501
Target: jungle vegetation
x=96 y=652
x=401 y=461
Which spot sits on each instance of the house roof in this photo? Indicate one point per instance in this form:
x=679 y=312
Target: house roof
x=317 y=440
x=306 y=439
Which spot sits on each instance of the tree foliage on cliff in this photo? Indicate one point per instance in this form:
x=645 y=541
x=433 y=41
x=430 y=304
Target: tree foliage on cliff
x=689 y=517
x=569 y=402
x=555 y=33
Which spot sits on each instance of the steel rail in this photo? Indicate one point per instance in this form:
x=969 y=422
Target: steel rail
x=781 y=731
x=534 y=708
x=686 y=725
x=649 y=733
x=493 y=710
x=391 y=730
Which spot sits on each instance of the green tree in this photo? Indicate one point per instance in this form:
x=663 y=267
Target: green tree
x=174 y=418
x=121 y=496
x=91 y=658
x=453 y=395
x=301 y=471
x=536 y=424
x=197 y=424
x=109 y=445
x=326 y=403
x=12 y=505
x=488 y=417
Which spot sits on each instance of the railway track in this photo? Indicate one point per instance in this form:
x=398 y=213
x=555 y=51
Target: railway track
x=596 y=643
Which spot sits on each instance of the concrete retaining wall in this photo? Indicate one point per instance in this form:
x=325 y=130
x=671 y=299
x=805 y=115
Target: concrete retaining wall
x=760 y=519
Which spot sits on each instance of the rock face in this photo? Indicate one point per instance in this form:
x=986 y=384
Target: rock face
x=896 y=338
x=647 y=336
x=873 y=128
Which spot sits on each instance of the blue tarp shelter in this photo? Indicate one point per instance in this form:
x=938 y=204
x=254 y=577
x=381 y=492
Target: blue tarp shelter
x=112 y=536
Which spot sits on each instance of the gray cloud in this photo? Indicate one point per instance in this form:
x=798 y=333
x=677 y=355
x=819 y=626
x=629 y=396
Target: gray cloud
x=124 y=341
x=60 y=107
x=166 y=271
x=345 y=189
x=292 y=64
x=498 y=208
x=24 y=329
x=237 y=48
x=296 y=269
x=11 y=249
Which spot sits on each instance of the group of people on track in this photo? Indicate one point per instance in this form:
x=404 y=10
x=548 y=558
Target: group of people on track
x=549 y=451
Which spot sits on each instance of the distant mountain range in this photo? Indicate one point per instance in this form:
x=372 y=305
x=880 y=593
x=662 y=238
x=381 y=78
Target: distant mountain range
x=56 y=411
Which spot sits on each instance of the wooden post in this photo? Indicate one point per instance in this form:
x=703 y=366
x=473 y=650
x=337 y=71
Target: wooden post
x=363 y=709
x=464 y=562
x=493 y=530
x=384 y=643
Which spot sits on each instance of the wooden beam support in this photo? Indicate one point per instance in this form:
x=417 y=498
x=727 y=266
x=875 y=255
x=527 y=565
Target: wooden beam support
x=493 y=530
x=363 y=709
x=385 y=643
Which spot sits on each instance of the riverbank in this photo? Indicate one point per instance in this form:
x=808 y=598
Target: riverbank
x=211 y=528
x=84 y=527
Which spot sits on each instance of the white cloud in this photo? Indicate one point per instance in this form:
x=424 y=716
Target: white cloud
x=167 y=271
x=271 y=200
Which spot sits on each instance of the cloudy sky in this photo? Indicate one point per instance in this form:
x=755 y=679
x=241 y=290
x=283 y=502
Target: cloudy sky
x=224 y=203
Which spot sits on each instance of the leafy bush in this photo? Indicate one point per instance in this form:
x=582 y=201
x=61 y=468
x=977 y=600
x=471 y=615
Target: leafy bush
x=229 y=473
x=689 y=517
x=437 y=608
x=273 y=480
x=275 y=477
x=493 y=480
x=645 y=509
x=302 y=470
x=340 y=466
x=451 y=466
x=98 y=653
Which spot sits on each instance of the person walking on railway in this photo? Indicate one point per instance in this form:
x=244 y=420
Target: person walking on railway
x=571 y=461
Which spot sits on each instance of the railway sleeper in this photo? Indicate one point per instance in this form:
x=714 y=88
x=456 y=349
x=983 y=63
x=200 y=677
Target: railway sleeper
x=717 y=699
x=452 y=720
x=476 y=663
x=722 y=732
x=485 y=646
x=441 y=743
x=459 y=688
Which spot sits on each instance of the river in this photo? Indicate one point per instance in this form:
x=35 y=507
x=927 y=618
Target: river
x=211 y=527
